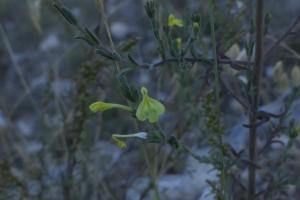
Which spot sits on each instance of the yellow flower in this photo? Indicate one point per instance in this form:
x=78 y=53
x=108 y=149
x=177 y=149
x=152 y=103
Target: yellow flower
x=103 y=106
x=173 y=21
x=149 y=108
x=120 y=143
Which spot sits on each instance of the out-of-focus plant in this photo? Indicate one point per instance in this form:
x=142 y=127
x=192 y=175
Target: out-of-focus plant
x=35 y=7
x=180 y=45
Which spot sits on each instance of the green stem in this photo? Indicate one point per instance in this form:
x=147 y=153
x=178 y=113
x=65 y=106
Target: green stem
x=223 y=170
x=152 y=167
x=255 y=87
x=215 y=56
x=155 y=175
x=217 y=90
x=156 y=192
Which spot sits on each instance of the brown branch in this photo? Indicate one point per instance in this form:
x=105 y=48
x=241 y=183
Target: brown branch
x=271 y=137
x=238 y=65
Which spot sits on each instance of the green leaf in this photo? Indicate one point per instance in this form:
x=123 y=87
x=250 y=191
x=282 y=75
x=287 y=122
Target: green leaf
x=66 y=14
x=107 y=54
x=128 y=44
x=91 y=36
x=127 y=89
x=84 y=39
x=150 y=8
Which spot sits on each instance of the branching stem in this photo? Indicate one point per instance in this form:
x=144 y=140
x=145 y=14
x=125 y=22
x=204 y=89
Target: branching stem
x=255 y=86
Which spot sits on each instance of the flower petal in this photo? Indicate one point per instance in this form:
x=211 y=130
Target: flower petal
x=159 y=107
x=141 y=135
x=149 y=108
x=142 y=111
x=103 y=106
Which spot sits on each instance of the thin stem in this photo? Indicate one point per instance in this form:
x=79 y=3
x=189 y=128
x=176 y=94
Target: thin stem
x=155 y=175
x=236 y=64
x=104 y=17
x=255 y=86
x=217 y=92
x=156 y=192
x=18 y=70
x=215 y=58
x=285 y=35
x=152 y=167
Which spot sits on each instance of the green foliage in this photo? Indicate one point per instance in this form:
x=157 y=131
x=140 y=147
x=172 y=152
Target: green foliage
x=212 y=115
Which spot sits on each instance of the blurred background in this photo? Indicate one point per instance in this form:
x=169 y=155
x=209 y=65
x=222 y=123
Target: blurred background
x=48 y=79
